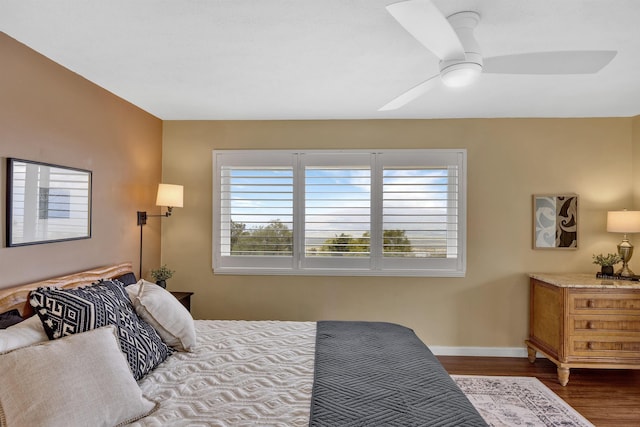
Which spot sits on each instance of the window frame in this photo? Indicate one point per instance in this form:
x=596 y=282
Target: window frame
x=374 y=265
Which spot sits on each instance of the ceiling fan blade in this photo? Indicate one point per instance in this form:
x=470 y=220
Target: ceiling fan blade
x=411 y=94
x=561 y=62
x=424 y=21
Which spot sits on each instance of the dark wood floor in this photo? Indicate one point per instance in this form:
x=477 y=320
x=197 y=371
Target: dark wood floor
x=606 y=397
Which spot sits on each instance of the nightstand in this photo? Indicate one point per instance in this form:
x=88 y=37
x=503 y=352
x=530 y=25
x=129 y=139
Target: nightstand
x=184 y=298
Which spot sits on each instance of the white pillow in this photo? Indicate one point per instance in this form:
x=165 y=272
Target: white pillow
x=80 y=380
x=27 y=332
x=165 y=313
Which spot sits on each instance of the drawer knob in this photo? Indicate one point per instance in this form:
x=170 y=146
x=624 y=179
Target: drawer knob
x=590 y=303
x=589 y=325
x=590 y=345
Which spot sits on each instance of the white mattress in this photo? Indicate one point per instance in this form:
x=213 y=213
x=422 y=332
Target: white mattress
x=241 y=373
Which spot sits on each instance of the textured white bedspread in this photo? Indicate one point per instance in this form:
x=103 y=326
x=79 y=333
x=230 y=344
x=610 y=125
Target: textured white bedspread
x=241 y=373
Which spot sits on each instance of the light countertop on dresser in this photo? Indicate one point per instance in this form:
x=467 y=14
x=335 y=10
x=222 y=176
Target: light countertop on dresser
x=583 y=280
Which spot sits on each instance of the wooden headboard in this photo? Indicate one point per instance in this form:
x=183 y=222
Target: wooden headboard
x=18 y=296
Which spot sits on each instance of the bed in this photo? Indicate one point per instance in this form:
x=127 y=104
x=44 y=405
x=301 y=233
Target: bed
x=235 y=373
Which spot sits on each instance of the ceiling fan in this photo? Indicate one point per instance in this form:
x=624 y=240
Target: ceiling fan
x=451 y=39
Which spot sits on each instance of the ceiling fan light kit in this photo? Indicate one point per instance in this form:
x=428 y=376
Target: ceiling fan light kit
x=452 y=40
x=460 y=74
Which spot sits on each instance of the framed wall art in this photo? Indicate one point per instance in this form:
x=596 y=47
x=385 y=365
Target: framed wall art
x=555 y=221
x=46 y=203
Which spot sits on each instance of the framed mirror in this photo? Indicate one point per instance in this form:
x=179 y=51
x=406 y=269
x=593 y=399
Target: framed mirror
x=46 y=203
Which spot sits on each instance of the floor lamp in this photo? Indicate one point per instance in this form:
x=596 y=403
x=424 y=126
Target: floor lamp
x=625 y=222
x=169 y=195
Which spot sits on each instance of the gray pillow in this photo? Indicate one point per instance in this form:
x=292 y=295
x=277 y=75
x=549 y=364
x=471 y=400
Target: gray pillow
x=10 y=318
x=127 y=279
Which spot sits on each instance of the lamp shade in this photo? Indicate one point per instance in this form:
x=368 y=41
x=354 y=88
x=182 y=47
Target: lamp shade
x=623 y=221
x=169 y=195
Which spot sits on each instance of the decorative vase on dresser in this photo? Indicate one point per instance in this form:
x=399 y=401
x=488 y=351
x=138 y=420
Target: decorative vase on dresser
x=607 y=270
x=578 y=321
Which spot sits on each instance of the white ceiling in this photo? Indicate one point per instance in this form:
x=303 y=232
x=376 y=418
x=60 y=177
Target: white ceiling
x=326 y=59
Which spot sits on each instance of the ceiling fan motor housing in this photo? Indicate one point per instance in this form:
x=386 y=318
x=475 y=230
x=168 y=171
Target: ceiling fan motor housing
x=457 y=72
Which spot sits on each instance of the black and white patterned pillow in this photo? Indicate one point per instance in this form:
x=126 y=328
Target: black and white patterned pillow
x=71 y=311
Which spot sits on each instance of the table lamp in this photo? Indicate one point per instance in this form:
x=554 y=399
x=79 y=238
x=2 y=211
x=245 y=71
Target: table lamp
x=625 y=222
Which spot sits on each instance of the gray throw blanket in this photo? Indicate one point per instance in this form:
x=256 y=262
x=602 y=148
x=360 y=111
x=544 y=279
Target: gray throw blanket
x=381 y=374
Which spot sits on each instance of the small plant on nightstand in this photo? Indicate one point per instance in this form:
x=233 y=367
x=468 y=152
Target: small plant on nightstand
x=606 y=262
x=161 y=275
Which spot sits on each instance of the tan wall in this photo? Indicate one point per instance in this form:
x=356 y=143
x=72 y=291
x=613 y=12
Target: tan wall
x=508 y=161
x=49 y=114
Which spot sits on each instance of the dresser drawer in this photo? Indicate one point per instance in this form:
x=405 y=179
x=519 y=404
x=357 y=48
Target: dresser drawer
x=616 y=347
x=620 y=302
x=603 y=324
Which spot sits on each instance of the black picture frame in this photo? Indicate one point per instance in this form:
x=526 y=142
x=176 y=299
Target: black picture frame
x=47 y=203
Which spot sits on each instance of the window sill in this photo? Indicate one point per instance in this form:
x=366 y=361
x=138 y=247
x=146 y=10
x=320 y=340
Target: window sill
x=336 y=272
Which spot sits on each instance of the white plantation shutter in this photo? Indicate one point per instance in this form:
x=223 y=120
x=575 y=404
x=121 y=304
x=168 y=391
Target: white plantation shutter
x=390 y=212
x=423 y=202
x=257 y=199
x=337 y=210
x=419 y=214
x=254 y=225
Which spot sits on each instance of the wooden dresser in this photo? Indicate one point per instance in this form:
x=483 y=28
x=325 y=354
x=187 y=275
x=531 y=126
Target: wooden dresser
x=578 y=321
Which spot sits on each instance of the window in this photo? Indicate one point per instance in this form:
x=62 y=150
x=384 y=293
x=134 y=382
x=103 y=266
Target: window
x=389 y=212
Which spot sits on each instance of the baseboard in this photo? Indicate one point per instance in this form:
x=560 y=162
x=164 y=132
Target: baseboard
x=479 y=351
